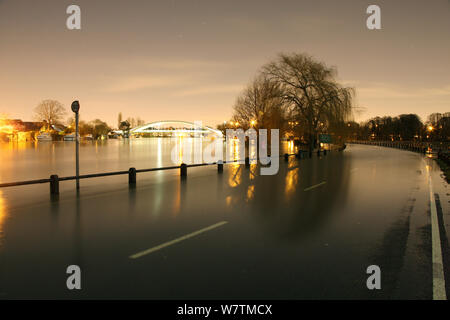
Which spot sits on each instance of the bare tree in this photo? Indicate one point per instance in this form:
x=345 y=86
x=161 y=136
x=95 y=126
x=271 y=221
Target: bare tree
x=260 y=105
x=51 y=111
x=316 y=101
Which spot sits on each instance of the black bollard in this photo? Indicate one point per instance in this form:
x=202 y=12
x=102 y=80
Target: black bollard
x=220 y=166
x=324 y=152
x=183 y=170
x=247 y=162
x=54 y=184
x=132 y=176
x=286 y=157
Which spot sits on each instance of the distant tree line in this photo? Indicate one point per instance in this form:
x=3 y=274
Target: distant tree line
x=52 y=112
x=130 y=122
x=405 y=127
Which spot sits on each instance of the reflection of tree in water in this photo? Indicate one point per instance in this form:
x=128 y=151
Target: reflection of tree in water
x=289 y=211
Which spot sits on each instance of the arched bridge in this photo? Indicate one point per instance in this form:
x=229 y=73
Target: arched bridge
x=169 y=128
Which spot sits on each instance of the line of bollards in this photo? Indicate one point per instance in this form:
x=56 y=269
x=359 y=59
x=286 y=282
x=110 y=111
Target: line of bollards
x=132 y=172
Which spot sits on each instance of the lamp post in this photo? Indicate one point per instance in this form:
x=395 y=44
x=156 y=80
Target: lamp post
x=75 y=108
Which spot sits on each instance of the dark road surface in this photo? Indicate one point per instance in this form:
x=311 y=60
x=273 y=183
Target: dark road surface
x=308 y=232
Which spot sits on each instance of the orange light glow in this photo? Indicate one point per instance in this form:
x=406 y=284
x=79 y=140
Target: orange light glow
x=2 y=215
x=5 y=127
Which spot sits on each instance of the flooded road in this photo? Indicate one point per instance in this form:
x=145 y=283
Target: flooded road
x=309 y=232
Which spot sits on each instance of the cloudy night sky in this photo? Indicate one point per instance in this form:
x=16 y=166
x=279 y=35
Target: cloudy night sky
x=188 y=60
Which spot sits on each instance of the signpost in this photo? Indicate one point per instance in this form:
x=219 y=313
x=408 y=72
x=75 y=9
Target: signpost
x=76 y=108
x=325 y=138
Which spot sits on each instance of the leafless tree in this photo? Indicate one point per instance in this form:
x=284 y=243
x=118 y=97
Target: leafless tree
x=316 y=100
x=51 y=111
x=260 y=105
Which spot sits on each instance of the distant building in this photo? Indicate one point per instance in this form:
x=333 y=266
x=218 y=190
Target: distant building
x=19 y=125
x=17 y=130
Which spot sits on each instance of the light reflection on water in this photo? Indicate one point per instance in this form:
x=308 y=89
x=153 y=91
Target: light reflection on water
x=250 y=192
x=291 y=181
x=290 y=147
x=2 y=214
x=37 y=160
x=235 y=175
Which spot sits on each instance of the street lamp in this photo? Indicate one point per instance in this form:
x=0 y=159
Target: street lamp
x=252 y=123
x=76 y=108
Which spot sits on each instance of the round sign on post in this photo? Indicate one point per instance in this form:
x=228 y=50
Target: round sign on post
x=75 y=106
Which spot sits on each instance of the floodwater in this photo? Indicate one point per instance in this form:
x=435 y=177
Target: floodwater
x=38 y=160
x=308 y=232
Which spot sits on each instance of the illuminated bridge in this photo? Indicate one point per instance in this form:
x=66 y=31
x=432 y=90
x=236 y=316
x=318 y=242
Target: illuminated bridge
x=171 y=128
